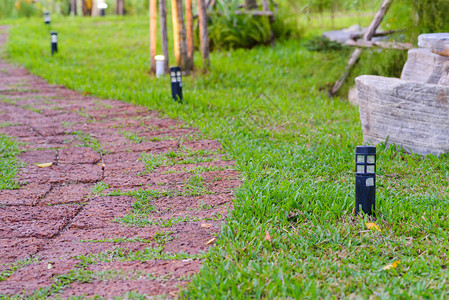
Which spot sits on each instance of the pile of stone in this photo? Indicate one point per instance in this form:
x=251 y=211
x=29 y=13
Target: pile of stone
x=413 y=111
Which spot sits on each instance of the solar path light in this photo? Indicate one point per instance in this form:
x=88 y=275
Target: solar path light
x=47 y=18
x=54 y=42
x=176 y=83
x=365 y=179
x=159 y=65
x=102 y=7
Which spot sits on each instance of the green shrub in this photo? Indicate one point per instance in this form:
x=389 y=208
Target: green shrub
x=228 y=30
x=321 y=43
x=6 y=8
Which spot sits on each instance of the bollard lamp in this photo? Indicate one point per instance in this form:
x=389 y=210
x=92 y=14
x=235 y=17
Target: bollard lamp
x=159 y=65
x=47 y=18
x=54 y=42
x=365 y=179
x=176 y=83
x=102 y=7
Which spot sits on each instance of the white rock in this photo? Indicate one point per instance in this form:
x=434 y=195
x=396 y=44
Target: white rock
x=444 y=80
x=353 y=96
x=423 y=66
x=412 y=114
x=436 y=42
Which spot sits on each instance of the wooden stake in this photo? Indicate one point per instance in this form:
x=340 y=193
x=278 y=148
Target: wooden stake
x=185 y=62
x=153 y=34
x=204 y=34
x=119 y=7
x=163 y=16
x=357 y=52
x=176 y=45
x=189 y=26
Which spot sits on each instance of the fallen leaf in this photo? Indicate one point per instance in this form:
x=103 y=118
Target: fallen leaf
x=206 y=225
x=210 y=241
x=393 y=265
x=372 y=226
x=101 y=164
x=49 y=266
x=44 y=165
x=267 y=236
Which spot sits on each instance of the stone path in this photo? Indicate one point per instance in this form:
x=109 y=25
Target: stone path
x=129 y=204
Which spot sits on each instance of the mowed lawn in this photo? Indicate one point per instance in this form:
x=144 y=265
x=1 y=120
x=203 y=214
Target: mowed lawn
x=292 y=231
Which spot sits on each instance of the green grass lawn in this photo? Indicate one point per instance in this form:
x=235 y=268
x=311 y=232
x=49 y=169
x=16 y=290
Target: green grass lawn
x=295 y=149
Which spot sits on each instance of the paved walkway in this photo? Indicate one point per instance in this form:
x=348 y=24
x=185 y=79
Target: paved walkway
x=130 y=201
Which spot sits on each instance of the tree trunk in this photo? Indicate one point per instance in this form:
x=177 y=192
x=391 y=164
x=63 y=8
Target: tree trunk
x=189 y=25
x=164 y=38
x=120 y=7
x=153 y=34
x=250 y=4
x=204 y=34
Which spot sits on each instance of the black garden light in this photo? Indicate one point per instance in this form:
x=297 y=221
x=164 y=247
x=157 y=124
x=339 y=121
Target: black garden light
x=176 y=83
x=54 y=42
x=102 y=7
x=365 y=179
x=47 y=18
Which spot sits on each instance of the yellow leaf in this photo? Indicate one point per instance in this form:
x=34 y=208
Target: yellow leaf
x=267 y=236
x=210 y=241
x=372 y=226
x=101 y=164
x=393 y=265
x=45 y=165
x=206 y=225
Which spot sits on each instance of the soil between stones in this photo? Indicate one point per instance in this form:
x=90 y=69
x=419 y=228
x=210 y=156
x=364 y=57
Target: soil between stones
x=129 y=205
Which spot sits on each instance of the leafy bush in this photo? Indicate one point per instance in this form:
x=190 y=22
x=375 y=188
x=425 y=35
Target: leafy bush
x=321 y=43
x=228 y=30
x=6 y=8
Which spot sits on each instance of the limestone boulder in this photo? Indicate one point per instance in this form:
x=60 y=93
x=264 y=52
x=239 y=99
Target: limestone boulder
x=437 y=42
x=444 y=80
x=423 y=66
x=414 y=115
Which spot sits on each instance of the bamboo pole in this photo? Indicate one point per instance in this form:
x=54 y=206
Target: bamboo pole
x=384 y=45
x=185 y=62
x=357 y=52
x=164 y=38
x=176 y=45
x=204 y=34
x=189 y=31
x=153 y=34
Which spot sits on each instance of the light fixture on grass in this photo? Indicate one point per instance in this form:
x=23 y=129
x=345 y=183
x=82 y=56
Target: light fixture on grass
x=365 y=179
x=176 y=83
x=102 y=7
x=54 y=42
x=159 y=65
x=47 y=18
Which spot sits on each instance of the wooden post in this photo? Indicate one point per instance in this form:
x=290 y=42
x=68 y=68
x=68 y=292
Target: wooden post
x=250 y=4
x=119 y=7
x=176 y=45
x=153 y=34
x=189 y=31
x=357 y=52
x=204 y=34
x=164 y=38
x=185 y=63
x=73 y=7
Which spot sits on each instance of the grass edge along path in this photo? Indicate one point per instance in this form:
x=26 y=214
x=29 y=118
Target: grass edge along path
x=9 y=164
x=292 y=232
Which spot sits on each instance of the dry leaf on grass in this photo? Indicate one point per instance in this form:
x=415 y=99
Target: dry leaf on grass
x=206 y=225
x=210 y=241
x=44 y=165
x=267 y=236
x=372 y=226
x=393 y=265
